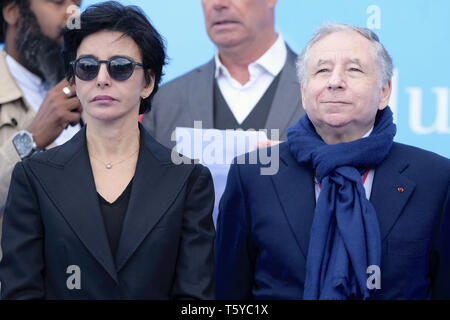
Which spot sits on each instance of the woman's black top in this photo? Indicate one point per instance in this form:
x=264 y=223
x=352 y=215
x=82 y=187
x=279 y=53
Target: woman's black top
x=113 y=215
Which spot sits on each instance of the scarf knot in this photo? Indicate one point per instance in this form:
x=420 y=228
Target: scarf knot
x=345 y=236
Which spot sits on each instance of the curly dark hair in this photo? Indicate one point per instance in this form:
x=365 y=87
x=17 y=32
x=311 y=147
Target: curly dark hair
x=132 y=21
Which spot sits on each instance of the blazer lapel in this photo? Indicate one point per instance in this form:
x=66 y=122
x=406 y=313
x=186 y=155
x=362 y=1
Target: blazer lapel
x=201 y=95
x=390 y=192
x=287 y=98
x=156 y=184
x=70 y=185
x=294 y=186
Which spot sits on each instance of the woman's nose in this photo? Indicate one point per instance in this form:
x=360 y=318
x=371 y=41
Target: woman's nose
x=103 y=79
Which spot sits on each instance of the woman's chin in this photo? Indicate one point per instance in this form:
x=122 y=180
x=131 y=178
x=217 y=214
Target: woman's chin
x=106 y=116
x=110 y=114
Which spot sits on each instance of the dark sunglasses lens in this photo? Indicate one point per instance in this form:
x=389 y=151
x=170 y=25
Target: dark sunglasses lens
x=120 y=69
x=86 y=68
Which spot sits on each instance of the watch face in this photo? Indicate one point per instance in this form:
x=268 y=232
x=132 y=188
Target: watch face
x=23 y=143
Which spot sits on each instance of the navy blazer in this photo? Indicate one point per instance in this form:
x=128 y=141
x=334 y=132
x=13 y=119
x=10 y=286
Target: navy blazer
x=264 y=224
x=53 y=221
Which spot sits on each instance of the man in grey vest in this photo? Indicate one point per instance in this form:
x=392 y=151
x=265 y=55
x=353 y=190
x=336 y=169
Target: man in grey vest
x=250 y=83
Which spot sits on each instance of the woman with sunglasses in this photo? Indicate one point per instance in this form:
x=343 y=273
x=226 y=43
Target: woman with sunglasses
x=108 y=215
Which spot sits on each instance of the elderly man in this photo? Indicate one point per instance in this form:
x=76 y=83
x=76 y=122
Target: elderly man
x=34 y=109
x=249 y=84
x=350 y=214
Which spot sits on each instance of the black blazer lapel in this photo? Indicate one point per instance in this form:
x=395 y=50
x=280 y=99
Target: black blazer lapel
x=68 y=180
x=156 y=184
x=294 y=186
x=390 y=191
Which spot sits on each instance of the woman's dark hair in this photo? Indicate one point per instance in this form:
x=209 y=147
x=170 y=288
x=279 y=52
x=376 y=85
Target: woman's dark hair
x=132 y=21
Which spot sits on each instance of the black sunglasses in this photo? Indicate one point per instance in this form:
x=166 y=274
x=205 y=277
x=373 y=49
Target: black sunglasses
x=119 y=68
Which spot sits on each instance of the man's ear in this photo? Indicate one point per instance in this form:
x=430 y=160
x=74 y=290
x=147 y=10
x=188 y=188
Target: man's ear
x=11 y=13
x=385 y=95
x=302 y=89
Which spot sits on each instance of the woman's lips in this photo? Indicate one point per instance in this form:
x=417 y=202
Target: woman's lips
x=103 y=98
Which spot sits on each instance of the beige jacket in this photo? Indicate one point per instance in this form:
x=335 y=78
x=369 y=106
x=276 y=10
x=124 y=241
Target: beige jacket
x=15 y=115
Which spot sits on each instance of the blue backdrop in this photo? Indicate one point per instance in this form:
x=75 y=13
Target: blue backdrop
x=415 y=32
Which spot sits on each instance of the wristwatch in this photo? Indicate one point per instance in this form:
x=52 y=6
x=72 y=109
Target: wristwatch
x=24 y=144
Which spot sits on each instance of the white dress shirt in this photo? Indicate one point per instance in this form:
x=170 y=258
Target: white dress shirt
x=243 y=98
x=34 y=90
x=367 y=183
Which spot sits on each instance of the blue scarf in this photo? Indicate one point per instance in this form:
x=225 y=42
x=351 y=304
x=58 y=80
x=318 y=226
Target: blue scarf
x=345 y=235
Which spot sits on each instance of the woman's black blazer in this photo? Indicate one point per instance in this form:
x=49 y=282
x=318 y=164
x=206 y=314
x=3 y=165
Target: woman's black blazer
x=55 y=244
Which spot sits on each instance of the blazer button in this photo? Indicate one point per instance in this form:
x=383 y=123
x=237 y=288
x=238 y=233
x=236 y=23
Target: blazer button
x=14 y=122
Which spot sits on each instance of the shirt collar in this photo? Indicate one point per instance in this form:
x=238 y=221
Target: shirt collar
x=24 y=77
x=272 y=60
x=368 y=133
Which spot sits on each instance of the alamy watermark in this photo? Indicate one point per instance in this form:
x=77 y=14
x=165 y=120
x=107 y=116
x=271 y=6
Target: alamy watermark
x=74 y=20
x=374 y=19
x=74 y=280
x=224 y=147
x=374 y=279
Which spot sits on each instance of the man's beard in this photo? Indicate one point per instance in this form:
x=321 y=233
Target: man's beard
x=37 y=52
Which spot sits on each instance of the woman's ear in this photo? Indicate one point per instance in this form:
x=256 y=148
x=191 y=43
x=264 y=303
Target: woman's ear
x=148 y=89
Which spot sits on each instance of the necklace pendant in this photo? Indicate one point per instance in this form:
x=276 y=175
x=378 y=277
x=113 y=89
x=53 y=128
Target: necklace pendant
x=108 y=166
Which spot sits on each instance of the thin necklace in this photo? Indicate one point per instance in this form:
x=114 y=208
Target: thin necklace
x=109 y=165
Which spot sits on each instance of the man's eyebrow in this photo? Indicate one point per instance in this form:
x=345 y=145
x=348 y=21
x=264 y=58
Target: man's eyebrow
x=321 y=62
x=349 y=61
x=355 y=61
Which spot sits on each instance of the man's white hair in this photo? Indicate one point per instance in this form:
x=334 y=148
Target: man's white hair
x=381 y=54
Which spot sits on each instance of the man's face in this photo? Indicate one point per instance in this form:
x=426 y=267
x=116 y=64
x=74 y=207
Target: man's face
x=342 y=92
x=39 y=37
x=52 y=16
x=231 y=22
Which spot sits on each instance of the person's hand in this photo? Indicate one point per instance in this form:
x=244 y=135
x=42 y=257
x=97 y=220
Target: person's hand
x=55 y=114
x=266 y=144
